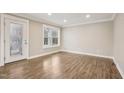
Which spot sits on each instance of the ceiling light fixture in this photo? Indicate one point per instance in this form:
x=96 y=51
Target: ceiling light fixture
x=65 y=20
x=88 y=16
x=49 y=14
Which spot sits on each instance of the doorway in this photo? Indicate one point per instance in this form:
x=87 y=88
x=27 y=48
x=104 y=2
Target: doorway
x=16 y=42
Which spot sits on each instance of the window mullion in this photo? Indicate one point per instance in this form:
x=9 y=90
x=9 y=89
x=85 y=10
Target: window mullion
x=51 y=37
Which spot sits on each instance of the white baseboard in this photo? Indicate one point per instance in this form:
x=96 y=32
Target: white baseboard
x=118 y=67
x=44 y=54
x=76 y=52
x=91 y=54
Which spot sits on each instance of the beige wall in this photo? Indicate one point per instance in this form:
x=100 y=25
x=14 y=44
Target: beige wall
x=92 y=38
x=119 y=41
x=36 y=40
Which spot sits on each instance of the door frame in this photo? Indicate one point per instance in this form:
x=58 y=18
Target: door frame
x=2 y=35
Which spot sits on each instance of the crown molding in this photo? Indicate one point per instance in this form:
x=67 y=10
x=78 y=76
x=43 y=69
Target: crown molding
x=45 y=21
x=92 y=22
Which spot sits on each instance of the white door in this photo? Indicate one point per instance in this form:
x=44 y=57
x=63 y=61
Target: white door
x=15 y=40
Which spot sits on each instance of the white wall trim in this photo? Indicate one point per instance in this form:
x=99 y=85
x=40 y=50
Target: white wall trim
x=2 y=33
x=2 y=40
x=118 y=67
x=84 y=53
x=57 y=29
x=92 y=22
x=43 y=54
x=28 y=37
x=47 y=21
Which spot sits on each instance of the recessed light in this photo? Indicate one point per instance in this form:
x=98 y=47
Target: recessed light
x=88 y=16
x=49 y=14
x=65 y=20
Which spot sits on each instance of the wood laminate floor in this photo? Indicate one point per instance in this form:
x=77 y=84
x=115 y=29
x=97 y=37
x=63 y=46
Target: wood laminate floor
x=61 y=66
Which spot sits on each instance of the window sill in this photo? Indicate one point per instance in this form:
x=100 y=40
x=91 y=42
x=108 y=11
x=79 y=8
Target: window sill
x=47 y=47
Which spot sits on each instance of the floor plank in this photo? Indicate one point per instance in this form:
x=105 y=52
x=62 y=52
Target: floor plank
x=61 y=65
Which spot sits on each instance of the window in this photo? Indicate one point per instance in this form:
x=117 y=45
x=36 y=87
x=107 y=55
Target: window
x=51 y=36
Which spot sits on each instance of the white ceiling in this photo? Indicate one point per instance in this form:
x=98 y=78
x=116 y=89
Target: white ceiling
x=72 y=18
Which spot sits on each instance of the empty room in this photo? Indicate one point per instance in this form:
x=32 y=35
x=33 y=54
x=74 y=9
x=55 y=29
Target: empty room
x=61 y=46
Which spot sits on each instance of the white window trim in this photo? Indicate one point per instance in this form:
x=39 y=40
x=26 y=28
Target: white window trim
x=53 y=46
